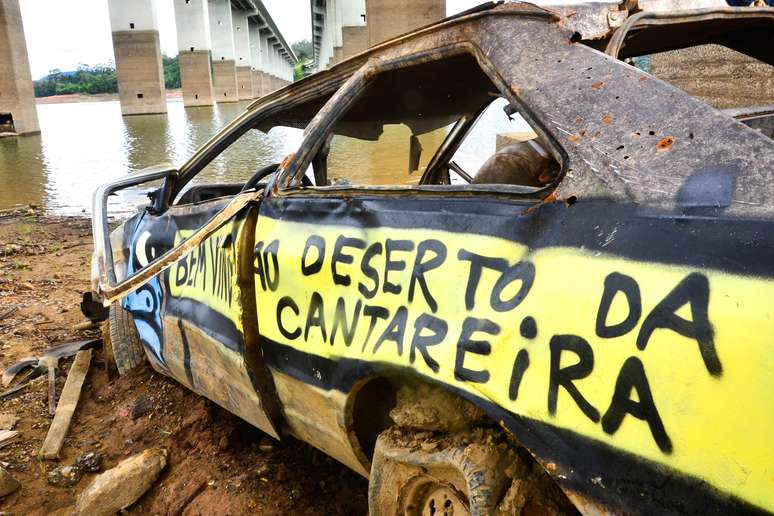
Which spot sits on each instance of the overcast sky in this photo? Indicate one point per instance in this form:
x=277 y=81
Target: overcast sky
x=63 y=33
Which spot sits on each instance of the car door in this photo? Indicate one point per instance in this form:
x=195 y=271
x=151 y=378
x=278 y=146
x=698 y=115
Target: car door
x=184 y=273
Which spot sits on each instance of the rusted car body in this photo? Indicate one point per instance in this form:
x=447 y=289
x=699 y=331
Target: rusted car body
x=618 y=322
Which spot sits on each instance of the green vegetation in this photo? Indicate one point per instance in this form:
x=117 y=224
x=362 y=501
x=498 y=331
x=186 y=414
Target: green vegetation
x=299 y=72
x=86 y=79
x=305 y=54
x=171 y=72
x=96 y=79
x=302 y=49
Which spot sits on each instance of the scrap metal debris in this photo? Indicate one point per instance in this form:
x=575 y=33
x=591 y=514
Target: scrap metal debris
x=47 y=363
x=66 y=407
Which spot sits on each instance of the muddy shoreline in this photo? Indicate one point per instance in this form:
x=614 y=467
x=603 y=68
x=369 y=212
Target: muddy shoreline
x=217 y=463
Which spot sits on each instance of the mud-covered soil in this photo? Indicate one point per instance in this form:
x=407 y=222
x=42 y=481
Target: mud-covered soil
x=218 y=464
x=717 y=75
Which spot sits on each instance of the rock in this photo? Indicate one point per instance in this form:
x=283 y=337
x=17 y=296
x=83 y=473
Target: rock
x=90 y=462
x=121 y=486
x=141 y=407
x=8 y=421
x=64 y=476
x=8 y=484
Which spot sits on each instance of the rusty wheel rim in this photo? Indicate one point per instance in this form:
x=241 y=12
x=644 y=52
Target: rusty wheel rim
x=433 y=498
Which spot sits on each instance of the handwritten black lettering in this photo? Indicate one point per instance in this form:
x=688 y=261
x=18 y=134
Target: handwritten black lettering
x=520 y=366
x=479 y=347
x=373 y=250
x=272 y=273
x=615 y=283
x=392 y=247
x=313 y=242
x=477 y=264
x=564 y=376
x=632 y=376
x=395 y=331
x=420 y=342
x=287 y=302
x=694 y=291
x=520 y=271
x=423 y=267
x=340 y=257
x=374 y=312
x=315 y=317
x=340 y=320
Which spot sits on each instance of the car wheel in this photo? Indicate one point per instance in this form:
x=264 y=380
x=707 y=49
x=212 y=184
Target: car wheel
x=123 y=345
x=416 y=474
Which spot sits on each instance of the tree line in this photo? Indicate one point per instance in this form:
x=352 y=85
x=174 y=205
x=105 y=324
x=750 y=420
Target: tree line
x=96 y=79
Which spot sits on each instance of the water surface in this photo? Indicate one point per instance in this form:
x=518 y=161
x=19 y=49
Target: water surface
x=82 y=145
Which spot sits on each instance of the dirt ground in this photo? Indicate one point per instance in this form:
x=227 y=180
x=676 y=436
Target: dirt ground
x=217 y=463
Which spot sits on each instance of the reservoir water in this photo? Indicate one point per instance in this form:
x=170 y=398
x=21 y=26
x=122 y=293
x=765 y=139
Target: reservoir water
x=82 y=145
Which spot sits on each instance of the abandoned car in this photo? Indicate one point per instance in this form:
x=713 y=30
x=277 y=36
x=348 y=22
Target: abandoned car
x=582 y=321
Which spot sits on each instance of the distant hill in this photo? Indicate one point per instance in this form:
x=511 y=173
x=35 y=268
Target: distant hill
x=96 y=79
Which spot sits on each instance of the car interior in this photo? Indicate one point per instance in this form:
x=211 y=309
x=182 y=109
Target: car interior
x=405 y=128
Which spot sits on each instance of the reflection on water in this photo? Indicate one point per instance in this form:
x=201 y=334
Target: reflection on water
x=83 y=145
x=381 y=162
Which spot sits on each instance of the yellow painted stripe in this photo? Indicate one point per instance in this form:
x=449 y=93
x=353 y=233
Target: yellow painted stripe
x=719 y=425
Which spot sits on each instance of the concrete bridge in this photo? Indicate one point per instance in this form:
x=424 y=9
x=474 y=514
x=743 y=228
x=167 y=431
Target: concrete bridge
x=229 y=50
x=343 y=28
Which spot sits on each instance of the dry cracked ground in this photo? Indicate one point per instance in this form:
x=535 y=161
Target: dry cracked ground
x=216 y=463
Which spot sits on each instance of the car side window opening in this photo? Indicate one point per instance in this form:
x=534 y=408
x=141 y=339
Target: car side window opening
x=407 y=119
x=227 y=173
x=502 y=148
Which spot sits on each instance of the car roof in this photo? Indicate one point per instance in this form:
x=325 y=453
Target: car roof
x=620 y=133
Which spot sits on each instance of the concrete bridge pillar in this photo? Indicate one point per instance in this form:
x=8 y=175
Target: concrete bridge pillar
x=255 y=59
x=354 y=31
x=267 y=63
x=273 y=59
x=138 y=57
x=224 y=74
x=17 y=99
x=389 y=18
x=242 y=51
x=194 y=44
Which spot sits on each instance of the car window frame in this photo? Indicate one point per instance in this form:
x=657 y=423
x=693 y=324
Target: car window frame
x=321 y=126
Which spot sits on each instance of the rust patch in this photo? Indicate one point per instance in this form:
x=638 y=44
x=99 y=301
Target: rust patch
x=665 y=144
x=573 y=137
x=643 y=79
x=608 y=119
x=598 y=85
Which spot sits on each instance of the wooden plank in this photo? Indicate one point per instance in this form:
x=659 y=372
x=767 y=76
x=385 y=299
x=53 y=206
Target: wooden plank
x=71 y=393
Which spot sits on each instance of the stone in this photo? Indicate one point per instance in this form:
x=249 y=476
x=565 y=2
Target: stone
x=64 y=476
x=121 y=486
x=8 y=484
x=89 y=462
x=141 y=407
x=8 y=421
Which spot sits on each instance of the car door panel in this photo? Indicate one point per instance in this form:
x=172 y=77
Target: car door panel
x=594 y=330
x=190 y=317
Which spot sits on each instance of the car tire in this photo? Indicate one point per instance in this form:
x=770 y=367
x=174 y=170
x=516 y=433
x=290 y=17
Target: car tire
x=123 y=344
x=413 y=474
